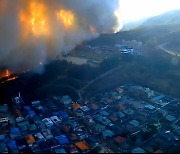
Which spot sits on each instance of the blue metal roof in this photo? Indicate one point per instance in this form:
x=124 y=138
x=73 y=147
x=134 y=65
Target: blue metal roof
x=168 y=136
x=62 y=114
x=31 y=112
x=15 y=130
x=27 y=108
x=62 y=139
x=2 y=137
x=66 y=97
x=43 y=145
x=12 y=144
x=157 y=98
x=56 y=113
x=21 y=100
x=150 y=107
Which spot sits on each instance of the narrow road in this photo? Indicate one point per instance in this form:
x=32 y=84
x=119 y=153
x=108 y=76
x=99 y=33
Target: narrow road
x=94 y=80
x=174 y=53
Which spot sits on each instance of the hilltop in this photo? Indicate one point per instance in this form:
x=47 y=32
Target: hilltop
x=164 y=28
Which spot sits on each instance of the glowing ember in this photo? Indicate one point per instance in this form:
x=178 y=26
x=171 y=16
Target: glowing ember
x=34 y=20
x=7 y=73
x=10 y=79
x=66 y=17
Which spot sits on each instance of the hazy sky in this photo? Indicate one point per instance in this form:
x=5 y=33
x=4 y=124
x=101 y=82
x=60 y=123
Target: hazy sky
x=137 y=9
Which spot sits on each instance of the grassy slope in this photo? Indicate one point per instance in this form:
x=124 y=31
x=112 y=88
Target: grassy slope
x=156 y=69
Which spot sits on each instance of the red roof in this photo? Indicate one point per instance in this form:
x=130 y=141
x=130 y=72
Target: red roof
x=107 y=100
x=4 y=132
x=119 y=139
x=30 y=139
x=76 y=106
x=120 y=107
x=17 y=113
x=72 y=148
x=81 y=145
x=94 y=106
x=113 y=118
x=73 y=137
x=65 y=128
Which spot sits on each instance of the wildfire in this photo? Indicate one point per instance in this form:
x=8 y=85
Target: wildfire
x=34 y=20
x=4 y=74
x=66 y=17
x=10 y=79
x=7 y=74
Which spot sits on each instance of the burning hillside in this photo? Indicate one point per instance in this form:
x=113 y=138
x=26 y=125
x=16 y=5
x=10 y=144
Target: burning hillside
x=34 y=31
x=6 y=75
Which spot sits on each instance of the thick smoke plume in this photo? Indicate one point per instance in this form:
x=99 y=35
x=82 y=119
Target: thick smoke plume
x=32 y=32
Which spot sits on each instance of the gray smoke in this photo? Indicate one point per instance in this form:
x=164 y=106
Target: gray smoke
x=20 y=49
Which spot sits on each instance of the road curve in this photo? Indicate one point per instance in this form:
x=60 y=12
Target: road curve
x=174 y=53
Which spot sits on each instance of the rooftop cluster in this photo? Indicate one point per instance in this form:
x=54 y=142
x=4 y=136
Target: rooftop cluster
x=129 y=118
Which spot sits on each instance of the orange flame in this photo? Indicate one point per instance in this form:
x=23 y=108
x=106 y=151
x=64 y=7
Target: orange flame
x=7 y=73
x=66 y=17
x=34 y=20
x=10 y=79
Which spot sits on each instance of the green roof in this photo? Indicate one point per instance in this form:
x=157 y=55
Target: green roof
x=176 y=129
x=163 y=112
x=32 y=127
x=108 y=133
x=98 y=117
x=129 y=111
x=23 y=128
x=170 y=118
x=120 y=114
x=137 y=150
x=4 y=108
x=24 y=123
x=105 y=121
x=104 y=113
x=3 y=147
x=97 y=127
x=59 y=150
x=135 y=123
